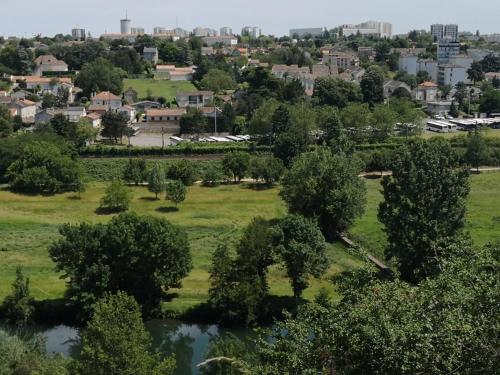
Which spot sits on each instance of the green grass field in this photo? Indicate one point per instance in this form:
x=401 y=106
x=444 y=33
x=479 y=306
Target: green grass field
x=167 y=89
x=488 y=133
x=28 y=225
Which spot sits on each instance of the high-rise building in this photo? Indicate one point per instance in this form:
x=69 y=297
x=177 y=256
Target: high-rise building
x=437 y=31
x=380 y=29
x=451 y=32
x=251 y=31
x=226 y=31
x=78 y=34
x=447 y=48
x=158 y=30
x=125 y=26
x=204 y=31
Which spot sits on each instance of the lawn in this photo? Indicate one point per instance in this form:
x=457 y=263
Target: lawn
x=483 y=214
x=28 y=224
x=167 y=89
x=488 y=133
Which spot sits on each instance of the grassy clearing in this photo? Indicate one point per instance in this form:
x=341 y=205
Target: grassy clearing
x=167 y=89
x=488 y=133
x=28 y=224
x=483 y=214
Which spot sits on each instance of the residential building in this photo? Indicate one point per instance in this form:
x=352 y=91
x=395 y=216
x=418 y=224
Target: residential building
x=301 y=33
x=74 y=114
x=95 y=119
x=451 y=32
x=165 y=115
x=446 y=49
x=194 y=99
x=144 y=105
x=137 y=30
x=380 y=29
x=251 y=31
x=490 y=76
x=449 y=74
x=129 y=112
x=226 y=31
x=207 y=51
x=427 y=92
x=204 y=31
x=366 y=51
x=106 y=99
x=78 y=34
x=408 y=63
x=430 y=66
x=222 y=40
x=24 y=108
x=48 y=63
x=342 y=60
x=437 y=32
x=150 y=54
x=43 y=85
x=439 y=107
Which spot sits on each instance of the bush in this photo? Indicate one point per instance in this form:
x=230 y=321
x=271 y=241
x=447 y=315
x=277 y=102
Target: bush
x=268 y=169
x=236 y=164
x=176 y=192
x=18 y=307
x=116 y=199
x=135 y=171
x=184 y=171
x=212 y=176
x=44 y=168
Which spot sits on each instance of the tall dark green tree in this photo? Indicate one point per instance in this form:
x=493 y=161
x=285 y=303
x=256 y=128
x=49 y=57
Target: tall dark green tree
x=302 y=248
x=5 y=121
x=477 y=151
x=100 y=75
x=18 y=307
x=424 y=204
x=372 y=85
x=136 y=171
x=327 y=187
x=115 y=341
x=114 y=125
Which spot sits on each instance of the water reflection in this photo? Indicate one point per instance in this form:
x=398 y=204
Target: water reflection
x=188 y=342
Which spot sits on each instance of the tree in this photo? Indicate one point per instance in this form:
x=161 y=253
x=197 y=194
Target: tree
x=212 y=176
x=184 y=171
x=261 y=122
x=156 y=180
x=477 y=151
x=44 y=168
x=357 y=119
x=380 y=326
x=114 y=125
x=120 y=346
x=176 y=191
x=490 y=101
x=17 y=123
x=5 y=121
x=229 y=354
x=235 y=164
x=229 y=118
x=331 y=126
x=475 y=72
x=49 y=100
x=372 y=85
x=217 y=80
x=384 y=120
x=293 y=91
x=327 y=187
x=193 y=122
x=135 y=171
x=63 y=127
x=100 y=75
x=424 y=204
x=336 y=92
x=268 y=169
x=28 y=356
x=291 y=143
x=127 y=59
x=453 y=110
x=445 y=91
x=143 y=256
x=302 y=248
x=116 y=198
x=18 y=307
x=461 y=94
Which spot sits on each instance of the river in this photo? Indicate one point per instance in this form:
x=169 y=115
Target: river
x=188 y=342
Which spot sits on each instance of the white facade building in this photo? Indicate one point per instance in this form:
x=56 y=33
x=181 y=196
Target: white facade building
x=408 y=64
x=251 y=31
x=381 y=29
x=449 y=74
x=125 y=26
x=447 y=49
x=78 y=34
x=226 y=31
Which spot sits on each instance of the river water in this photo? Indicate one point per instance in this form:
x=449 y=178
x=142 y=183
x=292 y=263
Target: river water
x=188 y=342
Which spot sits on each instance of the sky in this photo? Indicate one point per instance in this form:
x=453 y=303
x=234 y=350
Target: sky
x=49 y=17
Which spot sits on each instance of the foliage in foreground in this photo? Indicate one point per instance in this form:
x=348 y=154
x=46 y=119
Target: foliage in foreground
x=447 y=324
x=116 y=342
x=18 y=307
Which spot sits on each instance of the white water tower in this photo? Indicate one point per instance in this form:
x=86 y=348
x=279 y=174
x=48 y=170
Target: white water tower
x=125 y=25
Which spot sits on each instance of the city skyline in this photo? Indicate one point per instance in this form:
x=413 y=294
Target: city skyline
x=195 y=13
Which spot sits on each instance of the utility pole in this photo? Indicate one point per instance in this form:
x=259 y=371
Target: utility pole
x=215 y=110
x=162 y=139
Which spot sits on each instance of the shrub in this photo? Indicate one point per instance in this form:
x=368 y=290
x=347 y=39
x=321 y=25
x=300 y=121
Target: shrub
x=184 y=171
x=176 y=192
x=116 y=198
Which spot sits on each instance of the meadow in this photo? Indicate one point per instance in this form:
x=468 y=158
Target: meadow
x=29 y=224
x=166 y=89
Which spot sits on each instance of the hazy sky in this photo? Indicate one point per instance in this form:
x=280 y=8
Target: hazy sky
x=49 y=17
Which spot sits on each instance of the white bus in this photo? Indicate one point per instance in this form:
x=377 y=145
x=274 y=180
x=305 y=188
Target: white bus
x=441 y=126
